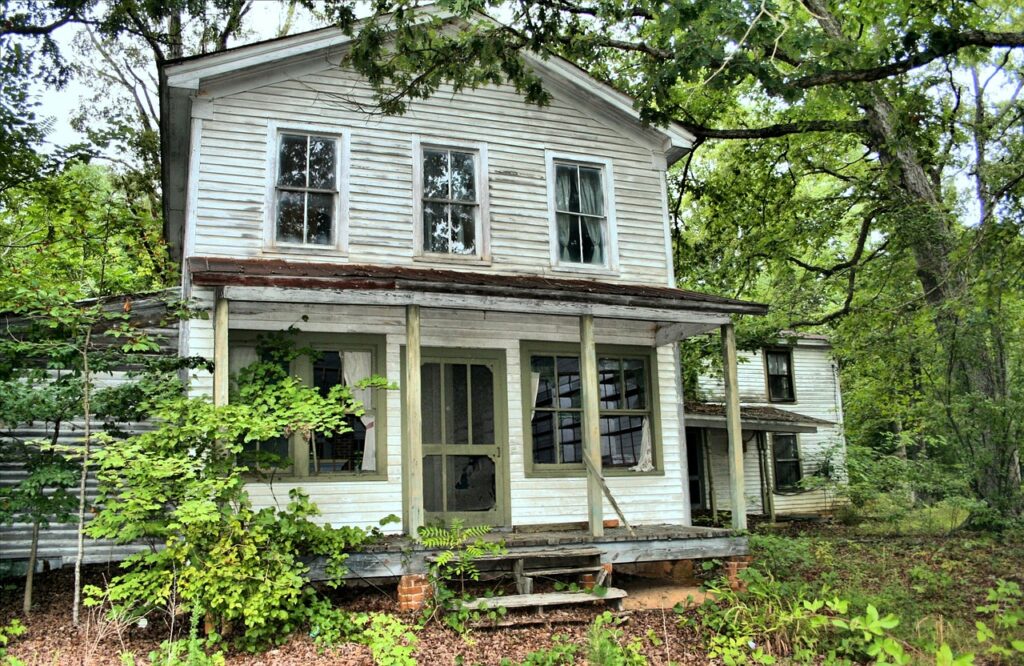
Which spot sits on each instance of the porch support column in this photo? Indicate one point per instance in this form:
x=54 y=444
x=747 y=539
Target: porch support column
x=220 y=351
x=412 y=406
x=591 y=424
x=734 y=428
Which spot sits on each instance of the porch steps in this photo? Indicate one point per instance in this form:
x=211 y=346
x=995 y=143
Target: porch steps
x=539 y=573
x=612 y=594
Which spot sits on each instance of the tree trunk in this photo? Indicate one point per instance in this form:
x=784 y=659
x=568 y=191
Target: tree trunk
x=30 y=574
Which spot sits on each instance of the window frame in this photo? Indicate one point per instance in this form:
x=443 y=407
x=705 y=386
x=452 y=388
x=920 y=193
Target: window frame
x=482 y=230
x=376 y=345
x=768 y=375
x=776 y=460
x=611 y=240
x=342 y=162
x=529 y=348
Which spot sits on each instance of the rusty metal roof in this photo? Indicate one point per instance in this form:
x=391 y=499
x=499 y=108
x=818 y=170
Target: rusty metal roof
x=752 y=417
x=214 y=271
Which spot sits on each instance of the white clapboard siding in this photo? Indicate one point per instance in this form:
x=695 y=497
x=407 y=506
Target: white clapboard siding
x=817 y=395
x=644 y=499
x=232 y=183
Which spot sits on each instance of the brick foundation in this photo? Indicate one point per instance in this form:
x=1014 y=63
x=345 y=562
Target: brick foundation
x=733 y=566
x=413 y=592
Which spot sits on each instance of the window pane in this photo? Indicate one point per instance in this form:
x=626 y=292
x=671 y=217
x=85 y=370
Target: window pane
x=463 y=177
x=568 y=381
x=543 y=429
x=634 y=373
x=778 y=363
x=471 y=483
x=456 y=409
x=327 y=372
x=321 y=163
x=292 y=161
x=779 y=387
x=609 y=383
x=545 y=367
x=482 y=380
x=785 y=447
x=565 y=183
x=592 y=241
x=435 y=227
x=321 y=218
x=570 y=437
x=435 y=174
x=591 y=192
x=290 y=216
x=463 y=229
x=433 y=484
x=621 y=440
x=430 y=401
x=340 y=452
x=569 y=238
x=787 y=474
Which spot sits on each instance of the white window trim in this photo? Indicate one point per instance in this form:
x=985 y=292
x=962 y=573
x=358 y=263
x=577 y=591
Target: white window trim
x=342 y=165
x=483 y=220
x=611 y=255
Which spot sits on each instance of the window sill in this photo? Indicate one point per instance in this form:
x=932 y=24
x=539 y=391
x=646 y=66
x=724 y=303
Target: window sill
x=573 y=473
x=582 y=269
x=450 y=259
x=306 y=250
x=320 y=478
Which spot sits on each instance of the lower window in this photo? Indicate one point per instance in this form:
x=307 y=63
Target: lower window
x=786 y=457
x=329 y=361
x=555 y=428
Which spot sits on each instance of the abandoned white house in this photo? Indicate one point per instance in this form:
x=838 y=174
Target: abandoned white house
x=509 y=266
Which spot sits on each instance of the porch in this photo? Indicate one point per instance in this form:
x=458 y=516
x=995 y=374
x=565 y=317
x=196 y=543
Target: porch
x=401 y=555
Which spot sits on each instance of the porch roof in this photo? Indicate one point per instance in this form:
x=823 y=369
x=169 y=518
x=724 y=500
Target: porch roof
x=225 y=272
x=752 y=417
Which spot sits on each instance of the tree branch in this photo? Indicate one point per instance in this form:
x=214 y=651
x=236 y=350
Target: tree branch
x=943 y=43
x=779 y=130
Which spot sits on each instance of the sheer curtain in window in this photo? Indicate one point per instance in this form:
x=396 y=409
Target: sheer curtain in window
x=355 y=366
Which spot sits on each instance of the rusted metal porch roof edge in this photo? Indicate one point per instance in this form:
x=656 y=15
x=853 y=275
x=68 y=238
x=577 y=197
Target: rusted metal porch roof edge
x=218 y=272
x=770 y=419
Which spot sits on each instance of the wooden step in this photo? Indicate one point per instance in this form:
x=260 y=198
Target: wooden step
x=533 y=573
x=612 y=594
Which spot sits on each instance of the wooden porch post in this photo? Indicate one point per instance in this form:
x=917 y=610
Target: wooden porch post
x=221 y=367
x=734 y=428
x=591 y=424
x=412 y=407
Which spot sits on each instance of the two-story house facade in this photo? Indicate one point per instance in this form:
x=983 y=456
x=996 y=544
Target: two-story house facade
x=508 y=266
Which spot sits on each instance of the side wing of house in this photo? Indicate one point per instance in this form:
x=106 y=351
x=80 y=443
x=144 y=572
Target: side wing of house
x=793 y=430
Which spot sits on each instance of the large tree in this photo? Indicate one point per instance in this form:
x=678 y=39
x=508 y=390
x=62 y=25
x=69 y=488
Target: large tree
x=884 y=140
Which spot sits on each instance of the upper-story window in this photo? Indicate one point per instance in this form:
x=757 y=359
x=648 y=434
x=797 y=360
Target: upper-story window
x=580 y=213
x=580 y=199
x=451 y=201
x=306 y=189
x=779 y=370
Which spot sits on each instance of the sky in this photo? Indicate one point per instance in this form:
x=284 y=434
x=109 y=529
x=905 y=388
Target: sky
x=265 y=20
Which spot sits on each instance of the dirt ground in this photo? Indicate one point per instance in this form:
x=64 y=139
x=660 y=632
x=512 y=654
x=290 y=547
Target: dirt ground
x=52 y=640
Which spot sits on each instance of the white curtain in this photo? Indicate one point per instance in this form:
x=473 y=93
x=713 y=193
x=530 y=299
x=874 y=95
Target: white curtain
x=241 y=357
x=357 y=365
x=535 y=389
x=591 y=196
x=646 y=462
x=592 y=227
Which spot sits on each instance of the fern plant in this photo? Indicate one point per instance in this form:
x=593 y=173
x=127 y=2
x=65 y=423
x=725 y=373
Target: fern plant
x=461 y=548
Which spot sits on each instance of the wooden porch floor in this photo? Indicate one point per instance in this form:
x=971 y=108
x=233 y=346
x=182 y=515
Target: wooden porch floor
x=397 y=556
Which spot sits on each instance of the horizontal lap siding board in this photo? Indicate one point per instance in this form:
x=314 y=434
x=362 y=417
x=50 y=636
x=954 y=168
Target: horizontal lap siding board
x=231 y=189
x=817 y=395
x=644 y=499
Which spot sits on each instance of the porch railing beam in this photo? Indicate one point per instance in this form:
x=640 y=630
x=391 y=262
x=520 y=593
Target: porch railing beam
x=411 y=405
x=734 y=428
x=591 y=424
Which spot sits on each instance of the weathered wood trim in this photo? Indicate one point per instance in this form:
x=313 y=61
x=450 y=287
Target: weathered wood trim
x=453 y=301
x=671 y=333
x=221 y=370
x=412 y=406
x=734 y=428
x=591 y=424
